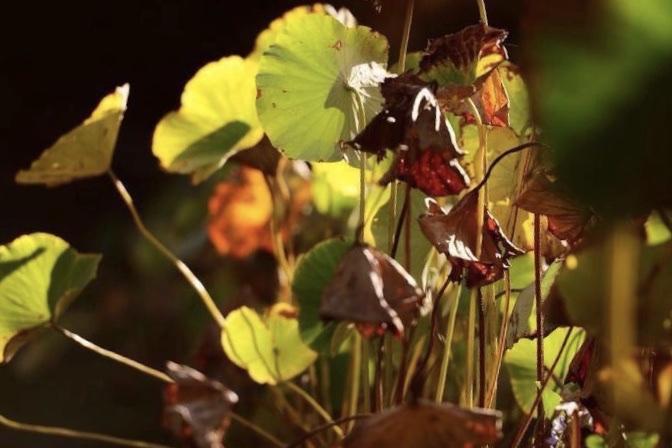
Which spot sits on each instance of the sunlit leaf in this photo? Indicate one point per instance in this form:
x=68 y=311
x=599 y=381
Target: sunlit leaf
x=269 y=347
x=519 y=102
x=455 y=234
x=318 y=86
x=217 y=118
x=656 y=230
x=313 y=272
x=196 y=409
x=40 y=275
x=521 y=361
x=86 y=151
x=428 y=425
x=335 y=188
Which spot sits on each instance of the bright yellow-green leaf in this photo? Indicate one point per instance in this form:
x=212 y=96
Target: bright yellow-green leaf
x=318 y=85
x=40 y=275
x=217 y=119
x=269 y=347
x=86 y=151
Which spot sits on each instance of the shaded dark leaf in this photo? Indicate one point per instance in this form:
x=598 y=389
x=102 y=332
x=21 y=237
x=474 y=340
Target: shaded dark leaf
x=567 y=219
x=414 y=128
x=373 y=290
x=428 y=425
x=455 y=234
x=262 y=156
x=196 y=409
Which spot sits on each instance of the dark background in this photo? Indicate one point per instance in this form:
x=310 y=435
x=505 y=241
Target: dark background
x=57 y=60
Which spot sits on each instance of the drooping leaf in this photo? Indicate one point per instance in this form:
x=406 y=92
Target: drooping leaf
x=491 y=101
x=313 y=272
x=86 y=151
x=423 y=142
x=269 y=347
x=196 y=409
x=262 y=156
x=428 y=425
x=318 y=86
x=40 y=276
x=371 y=289
x=455 y=234
x=217 y=118
x=460 y=62
x=522 y=365
x=567 y=219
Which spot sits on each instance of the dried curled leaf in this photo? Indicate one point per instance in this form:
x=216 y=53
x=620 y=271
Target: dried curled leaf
x=428 y=425
x=567 y=219
x=196 y=409
x=455 y=234
x=414 y=128
x=373 y=290
x=460 y=62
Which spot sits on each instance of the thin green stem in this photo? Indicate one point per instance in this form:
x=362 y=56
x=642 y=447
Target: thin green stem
x=482 y=12
x=468 y=390
x=71 y=433
x=362 y=194
x=540 y=319
x=492 y=389
x=447 y=352
x=354 y=375
x=252 y=427
x=366 y=381
x=112 y=355
x=179 y=264
x=403 y=49
x=481 y=349
x=314 y=404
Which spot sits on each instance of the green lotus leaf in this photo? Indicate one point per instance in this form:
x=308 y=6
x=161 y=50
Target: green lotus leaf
x=521 y=361
x=85 y=151
x=217 y=119
x=519 y=100
x=269 y=347
x=313 y=272
x=40 y=275
x=318 y=86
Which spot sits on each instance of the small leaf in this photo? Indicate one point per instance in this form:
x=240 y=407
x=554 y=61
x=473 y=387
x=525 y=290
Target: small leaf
x=522 y=365
x=269 y=348
x=217 y=119
x=318 y=86
x=313 y=272
x=86 y=151
x=196 y=408
x=40 y=275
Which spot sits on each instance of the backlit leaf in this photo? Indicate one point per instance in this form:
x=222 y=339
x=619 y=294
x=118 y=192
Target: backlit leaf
x=269 y=347
x=40 y=275
x=318 y=86
x=217 y=119
x=86 y=151
x=521 y=361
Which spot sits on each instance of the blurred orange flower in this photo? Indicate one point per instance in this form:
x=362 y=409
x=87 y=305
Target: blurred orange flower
x=240 y=215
